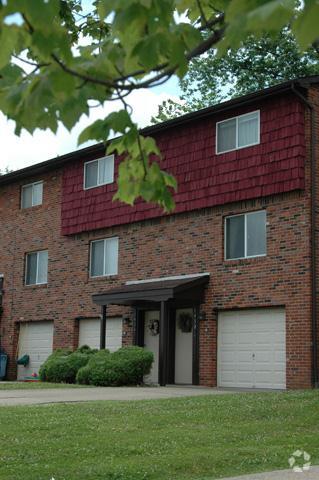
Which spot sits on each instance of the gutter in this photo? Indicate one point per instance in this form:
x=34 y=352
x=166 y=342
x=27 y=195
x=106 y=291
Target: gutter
x=314 y=303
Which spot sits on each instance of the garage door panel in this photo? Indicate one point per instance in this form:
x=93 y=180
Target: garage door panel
x=89 y=333
x=251 y=348
x=244 y=338
x=35 y=340
x=242 y=357
x=280 y=356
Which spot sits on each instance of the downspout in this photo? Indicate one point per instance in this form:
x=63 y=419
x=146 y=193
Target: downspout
x=103 y=328
x=1 y=308
x=314 y=303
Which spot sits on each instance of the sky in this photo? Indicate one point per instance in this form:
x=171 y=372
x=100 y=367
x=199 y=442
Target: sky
x=26 y=150
x=20 y=152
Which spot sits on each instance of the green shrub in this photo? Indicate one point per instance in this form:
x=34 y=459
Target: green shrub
x=62 y=365
x=59 y=352
x=96 y=362
x=86 y=349
x=126 y=366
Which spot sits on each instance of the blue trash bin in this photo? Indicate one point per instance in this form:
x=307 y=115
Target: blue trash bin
x=3 y=365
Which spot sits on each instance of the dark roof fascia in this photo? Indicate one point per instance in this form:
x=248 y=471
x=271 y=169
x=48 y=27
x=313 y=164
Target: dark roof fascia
x=151 y=293
x=220 y=108
x=98 y=149
x=51 y=164
x=121 y=298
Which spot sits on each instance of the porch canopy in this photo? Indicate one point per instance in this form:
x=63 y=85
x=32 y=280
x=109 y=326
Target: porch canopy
x=160 y=294
x=137 y=294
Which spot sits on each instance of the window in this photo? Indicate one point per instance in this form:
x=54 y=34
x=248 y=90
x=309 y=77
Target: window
x=36 y=268
x=104 y=257
x=31 y=195
x=99 y=172
x=245 y=235
x=238 y=132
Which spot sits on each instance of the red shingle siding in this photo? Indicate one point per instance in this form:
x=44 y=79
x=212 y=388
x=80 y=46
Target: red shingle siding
x=205 y=179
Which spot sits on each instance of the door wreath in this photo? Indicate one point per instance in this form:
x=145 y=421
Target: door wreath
x=153 y=327
x=185 y=322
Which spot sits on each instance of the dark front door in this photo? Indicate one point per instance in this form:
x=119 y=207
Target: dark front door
x=174 y=343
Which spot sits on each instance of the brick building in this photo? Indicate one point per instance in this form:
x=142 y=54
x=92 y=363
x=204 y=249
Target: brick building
x=223 y=291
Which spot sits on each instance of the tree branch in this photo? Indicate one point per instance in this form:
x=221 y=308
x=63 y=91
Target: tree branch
x=202 y=14
x=201 y=48
x=151 y=82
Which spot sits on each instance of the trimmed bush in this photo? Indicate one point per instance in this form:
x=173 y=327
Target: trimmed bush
x=62 y=365
x=126 y=366
x=96 y=362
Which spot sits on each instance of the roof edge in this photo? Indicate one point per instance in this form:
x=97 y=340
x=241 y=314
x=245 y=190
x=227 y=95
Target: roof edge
x=98 y=148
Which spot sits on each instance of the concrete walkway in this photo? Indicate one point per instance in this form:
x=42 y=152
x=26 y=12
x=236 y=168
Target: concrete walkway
x=312 y=474
x=61 y=395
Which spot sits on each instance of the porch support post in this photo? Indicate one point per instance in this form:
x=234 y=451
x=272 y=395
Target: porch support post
x=138 y=327
x=163 y=345
x=103 y=328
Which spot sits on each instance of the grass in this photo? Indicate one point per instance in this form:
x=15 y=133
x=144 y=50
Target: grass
x=186 y=438
x=35 y=385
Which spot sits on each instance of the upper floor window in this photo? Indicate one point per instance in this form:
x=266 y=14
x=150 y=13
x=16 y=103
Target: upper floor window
x=238 y=132
x=245 y=235
x=36 y=268
x=31 y=195
x=104 y=257
x=99 y=172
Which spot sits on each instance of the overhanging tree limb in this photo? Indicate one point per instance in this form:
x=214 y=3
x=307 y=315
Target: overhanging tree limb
x=83 y=58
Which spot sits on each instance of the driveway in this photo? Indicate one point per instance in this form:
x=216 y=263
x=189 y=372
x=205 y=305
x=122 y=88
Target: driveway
x=312 y=474
x=58 y=395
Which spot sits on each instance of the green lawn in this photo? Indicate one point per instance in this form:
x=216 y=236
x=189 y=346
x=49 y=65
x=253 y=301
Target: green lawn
x=35 y=385
x=187 y=438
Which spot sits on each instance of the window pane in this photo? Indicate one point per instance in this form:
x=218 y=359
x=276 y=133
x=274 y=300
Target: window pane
x=91 y=174
x=37 y=194
x=248 y=127
x=226 y=135
x=111 y=257
x=256 y=233
x=26 y=197
x=97 y=258
x=31 y=274
x=106 y=170
x=235 y=237
x=42 y=267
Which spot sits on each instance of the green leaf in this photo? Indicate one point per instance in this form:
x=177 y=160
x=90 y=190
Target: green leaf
x=9 y=37
x=39 y=13
x=254 y=17
x=73 y=109
x=306 y=25
x=119 y=121
x=99 y=131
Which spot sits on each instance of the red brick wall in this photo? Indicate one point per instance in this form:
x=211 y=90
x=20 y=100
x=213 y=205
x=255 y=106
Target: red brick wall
x=205 y=179
x=186 y=243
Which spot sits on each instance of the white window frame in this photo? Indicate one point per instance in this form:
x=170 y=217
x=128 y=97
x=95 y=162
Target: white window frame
x=98 y=160
x=236 y=118
x=245 y=239
x=31 y=185
x=37 y=276
x=104 y=252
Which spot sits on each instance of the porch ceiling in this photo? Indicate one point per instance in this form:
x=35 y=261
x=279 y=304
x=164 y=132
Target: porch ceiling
x=190 y=289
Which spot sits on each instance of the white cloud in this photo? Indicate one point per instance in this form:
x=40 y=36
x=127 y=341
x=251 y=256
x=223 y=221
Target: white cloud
x=19 y=152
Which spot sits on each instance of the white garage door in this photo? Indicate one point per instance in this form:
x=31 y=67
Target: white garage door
x=89 y=333
x=35 y=340
x=252 y=349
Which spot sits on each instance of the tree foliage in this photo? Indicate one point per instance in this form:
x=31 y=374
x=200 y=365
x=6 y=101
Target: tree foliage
x=257 y=64
x=59 y=58
x=5 y=170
